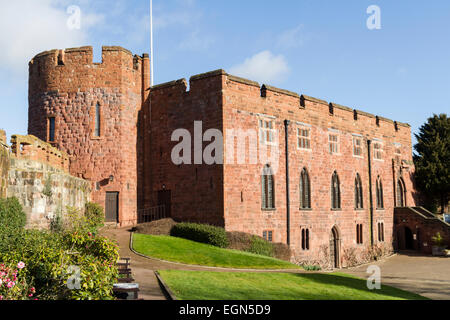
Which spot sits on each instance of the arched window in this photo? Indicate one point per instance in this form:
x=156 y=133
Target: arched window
x=305 y=190
x=335 y=192
x=380 y=200
x=401 y=191
x=358 y=193
x=305 y=239
x=267 y=188
x=97 y=120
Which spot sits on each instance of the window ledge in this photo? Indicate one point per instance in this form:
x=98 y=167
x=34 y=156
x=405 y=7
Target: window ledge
x=360 y=209
x=380 y=209
x=268 y=209
x=96 y=138
x=305 y=209
x=336 y=209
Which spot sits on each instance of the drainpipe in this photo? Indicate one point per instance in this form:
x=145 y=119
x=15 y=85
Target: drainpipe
x=288 y=218
x=370 y=190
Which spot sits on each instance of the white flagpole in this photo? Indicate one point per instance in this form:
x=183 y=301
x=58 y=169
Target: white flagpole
x=151 y=43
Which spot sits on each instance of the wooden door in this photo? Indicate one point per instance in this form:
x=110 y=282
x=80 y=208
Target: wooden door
x=335 y=248
x=165 y=199
x=112 y=207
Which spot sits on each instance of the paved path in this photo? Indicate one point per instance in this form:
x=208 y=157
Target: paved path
x=425 y=275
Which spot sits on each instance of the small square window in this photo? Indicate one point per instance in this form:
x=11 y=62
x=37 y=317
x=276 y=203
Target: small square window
x=304 y=138
x=266 y=132
x=357 y=146
x=268 y=235
x=378 y=151
x=333 y=141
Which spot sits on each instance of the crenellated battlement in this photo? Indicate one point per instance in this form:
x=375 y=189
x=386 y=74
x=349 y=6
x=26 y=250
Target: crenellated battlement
x=74 y=69
x=85 y=56
x=31 y=148
x=302 y=101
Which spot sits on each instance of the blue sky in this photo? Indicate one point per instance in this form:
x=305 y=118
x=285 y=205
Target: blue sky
x=321 y=48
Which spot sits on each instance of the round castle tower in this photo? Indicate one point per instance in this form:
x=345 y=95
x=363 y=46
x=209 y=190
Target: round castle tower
x=90 y=110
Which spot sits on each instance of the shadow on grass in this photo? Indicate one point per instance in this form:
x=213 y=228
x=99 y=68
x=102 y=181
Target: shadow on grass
x=353 y=283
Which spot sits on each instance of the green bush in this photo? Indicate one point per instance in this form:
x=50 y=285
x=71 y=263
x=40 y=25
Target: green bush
x=254 y=244
x=94 y=214
x=90 y=220
x=12 y=217
x=282 y=251
x=261 y=246
x=310 y=267
x=203 y=233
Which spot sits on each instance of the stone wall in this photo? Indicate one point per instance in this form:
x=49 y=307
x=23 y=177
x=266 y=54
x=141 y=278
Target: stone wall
x=67 y=85
x=45 y=191
x=37 y=175
x=4 y=164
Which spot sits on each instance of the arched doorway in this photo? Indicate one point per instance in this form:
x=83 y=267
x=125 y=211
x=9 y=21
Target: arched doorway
x=409 y=239
x=405 y=239
x=335 y=248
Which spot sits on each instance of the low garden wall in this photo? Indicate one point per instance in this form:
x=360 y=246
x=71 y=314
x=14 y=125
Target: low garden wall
x=36 y=173
x=45 y=191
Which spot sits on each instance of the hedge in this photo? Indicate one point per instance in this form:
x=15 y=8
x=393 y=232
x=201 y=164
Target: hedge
x=201 y=233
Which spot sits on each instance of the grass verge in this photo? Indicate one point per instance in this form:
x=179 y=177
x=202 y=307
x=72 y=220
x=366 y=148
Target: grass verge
x=190 y=252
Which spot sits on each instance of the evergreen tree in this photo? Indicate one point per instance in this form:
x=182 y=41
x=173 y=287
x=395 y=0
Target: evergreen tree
x=432 y=160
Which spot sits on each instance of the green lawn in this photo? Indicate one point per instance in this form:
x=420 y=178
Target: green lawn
x=195 y=285
x=190 y=252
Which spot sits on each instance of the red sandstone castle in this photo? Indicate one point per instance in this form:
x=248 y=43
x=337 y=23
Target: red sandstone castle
x=340 y=172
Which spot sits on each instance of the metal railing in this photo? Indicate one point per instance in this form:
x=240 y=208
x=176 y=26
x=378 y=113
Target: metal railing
x=152 y=214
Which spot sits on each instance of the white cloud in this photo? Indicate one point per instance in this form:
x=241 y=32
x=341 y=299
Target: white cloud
x=28 y=27
x=264 y=67
x=291 y=38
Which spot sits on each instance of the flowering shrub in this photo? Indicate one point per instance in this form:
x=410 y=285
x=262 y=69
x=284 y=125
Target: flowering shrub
x=73 y=263
x=49 y=257
x=13 y=285
x=88 y=243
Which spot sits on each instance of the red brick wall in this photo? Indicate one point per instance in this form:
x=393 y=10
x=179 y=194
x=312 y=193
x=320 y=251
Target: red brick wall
x=70 y=93
x=423 y=229
x=243 y=108
x=226 y=102
x=197 y=190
